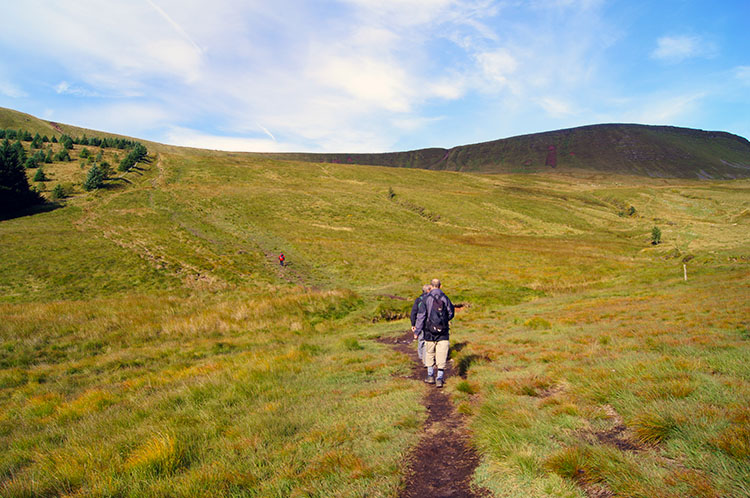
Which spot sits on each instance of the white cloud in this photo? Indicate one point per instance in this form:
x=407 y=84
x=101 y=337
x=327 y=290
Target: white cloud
x=127 y=118
x=497 y=66
x=11 y=90
x=556 y=107
x=665 y=109
x=66 y=88
x=369 y=80
x=680 y=48
x=186 y=137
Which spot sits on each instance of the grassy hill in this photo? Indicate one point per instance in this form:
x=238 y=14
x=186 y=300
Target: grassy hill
x=151 y=345
x=653 y=151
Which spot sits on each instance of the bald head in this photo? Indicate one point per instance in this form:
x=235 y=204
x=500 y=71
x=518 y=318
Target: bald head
x=426 y=288
x=435 y=283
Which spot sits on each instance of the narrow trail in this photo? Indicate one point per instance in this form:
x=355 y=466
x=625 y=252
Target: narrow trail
x=443 y=462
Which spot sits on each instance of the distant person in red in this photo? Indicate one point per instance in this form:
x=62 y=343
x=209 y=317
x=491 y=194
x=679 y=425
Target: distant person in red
x=281 y=259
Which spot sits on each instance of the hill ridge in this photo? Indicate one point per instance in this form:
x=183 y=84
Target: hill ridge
x=623 y=148
x=657 y=151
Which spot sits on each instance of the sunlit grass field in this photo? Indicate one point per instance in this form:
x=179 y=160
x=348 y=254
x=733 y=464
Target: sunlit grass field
x=151 y=346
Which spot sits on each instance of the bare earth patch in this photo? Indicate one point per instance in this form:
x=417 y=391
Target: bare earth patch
x=443 y=462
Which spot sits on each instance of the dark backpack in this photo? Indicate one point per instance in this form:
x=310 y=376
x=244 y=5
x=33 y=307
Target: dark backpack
x=437 y=315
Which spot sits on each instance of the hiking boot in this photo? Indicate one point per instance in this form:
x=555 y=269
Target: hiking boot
x=430 y=380
x=439 y=383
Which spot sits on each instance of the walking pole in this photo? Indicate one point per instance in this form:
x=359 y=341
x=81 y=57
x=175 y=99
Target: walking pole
x=684 y=269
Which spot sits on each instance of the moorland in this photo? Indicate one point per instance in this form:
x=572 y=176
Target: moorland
x=150 y=344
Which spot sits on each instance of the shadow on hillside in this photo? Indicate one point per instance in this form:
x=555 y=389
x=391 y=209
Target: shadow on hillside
x=31 y=210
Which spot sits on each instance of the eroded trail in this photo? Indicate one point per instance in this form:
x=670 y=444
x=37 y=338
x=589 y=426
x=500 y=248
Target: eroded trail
x=443 y=462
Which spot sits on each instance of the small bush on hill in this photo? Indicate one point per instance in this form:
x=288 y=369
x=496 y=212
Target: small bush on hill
x=655 y=236
x=58 y=192
x=40 y=176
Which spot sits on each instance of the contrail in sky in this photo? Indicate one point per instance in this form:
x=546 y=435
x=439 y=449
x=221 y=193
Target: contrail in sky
x=267 y=132
x=174 y=25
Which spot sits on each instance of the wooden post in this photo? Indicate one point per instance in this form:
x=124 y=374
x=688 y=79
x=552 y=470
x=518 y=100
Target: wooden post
x=684 y=269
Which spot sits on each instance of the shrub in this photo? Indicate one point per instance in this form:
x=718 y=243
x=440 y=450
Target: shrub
x=352 y=344
x=655 y=236
x=58 y=192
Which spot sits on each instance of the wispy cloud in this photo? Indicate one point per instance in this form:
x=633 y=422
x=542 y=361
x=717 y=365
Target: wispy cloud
x=186 y=137
x=66 y=88
x=351 y=75
x=680 y=48
x=175 y=25
x=10 y=90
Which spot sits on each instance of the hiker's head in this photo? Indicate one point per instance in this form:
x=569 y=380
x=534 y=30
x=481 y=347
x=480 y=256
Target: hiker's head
x=426 y=288
x=435 y=283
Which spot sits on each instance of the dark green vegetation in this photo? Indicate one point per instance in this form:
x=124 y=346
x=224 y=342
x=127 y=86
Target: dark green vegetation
x=653 y=151
x=17 y=197
x=151 y=346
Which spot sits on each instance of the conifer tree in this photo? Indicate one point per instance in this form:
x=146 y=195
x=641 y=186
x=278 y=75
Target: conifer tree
x=58 y=192
x=94 y=179
x=40 y=176
x=15 y=193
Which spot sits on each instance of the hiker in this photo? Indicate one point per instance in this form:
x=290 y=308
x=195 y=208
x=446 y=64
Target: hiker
x=419 y=302
x=281 y=259
x=432 y=321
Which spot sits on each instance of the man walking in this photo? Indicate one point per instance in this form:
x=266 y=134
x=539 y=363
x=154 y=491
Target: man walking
x=432 y=321
x=281 y=259
x=419 y=303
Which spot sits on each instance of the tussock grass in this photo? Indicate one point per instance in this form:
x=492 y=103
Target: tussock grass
x=151 y=346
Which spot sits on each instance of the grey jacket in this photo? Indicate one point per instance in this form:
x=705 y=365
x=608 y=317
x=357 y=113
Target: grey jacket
x=423 y=324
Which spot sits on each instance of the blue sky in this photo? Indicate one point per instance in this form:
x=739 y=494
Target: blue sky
x=367 y=75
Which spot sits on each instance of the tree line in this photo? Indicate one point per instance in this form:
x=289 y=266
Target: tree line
x=15 y=191
x=37 y=140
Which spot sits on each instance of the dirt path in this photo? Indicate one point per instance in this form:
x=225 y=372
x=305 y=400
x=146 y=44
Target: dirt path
x=443 y=462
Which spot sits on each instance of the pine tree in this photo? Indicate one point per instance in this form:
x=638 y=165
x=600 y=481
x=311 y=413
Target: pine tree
x=40 y=176
x=36 y=142
x=67 y=142
x=15 y=193
x=95 y=179
x=655 y=236
x=58 y=192
x=63 y=155
x=19 y=151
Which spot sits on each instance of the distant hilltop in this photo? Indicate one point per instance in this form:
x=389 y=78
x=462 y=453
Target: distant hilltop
x=654 y=151
x=629 y=149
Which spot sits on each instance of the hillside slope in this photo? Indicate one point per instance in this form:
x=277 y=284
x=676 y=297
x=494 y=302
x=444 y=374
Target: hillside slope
x=655 y=151
x=150 y=344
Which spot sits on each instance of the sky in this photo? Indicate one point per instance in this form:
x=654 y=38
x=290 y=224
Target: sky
x=373 y=75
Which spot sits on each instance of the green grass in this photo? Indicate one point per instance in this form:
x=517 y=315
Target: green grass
x=151 y=345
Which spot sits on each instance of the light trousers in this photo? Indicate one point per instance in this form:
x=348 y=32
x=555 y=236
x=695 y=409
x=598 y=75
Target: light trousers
x=436 y=353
